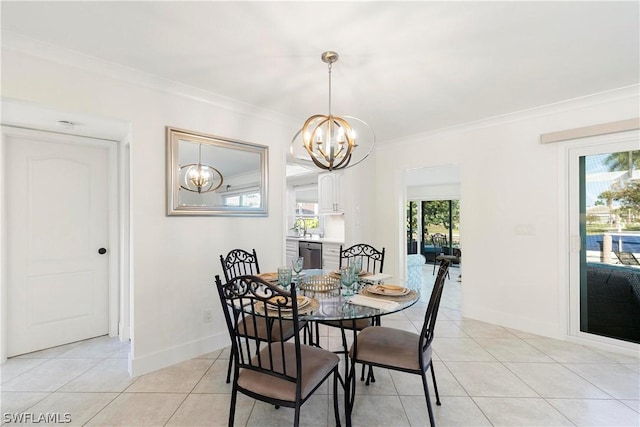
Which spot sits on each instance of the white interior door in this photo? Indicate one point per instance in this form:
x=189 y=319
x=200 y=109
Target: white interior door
x=57 y=220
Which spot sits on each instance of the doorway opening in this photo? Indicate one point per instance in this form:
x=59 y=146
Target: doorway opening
x=432 y=212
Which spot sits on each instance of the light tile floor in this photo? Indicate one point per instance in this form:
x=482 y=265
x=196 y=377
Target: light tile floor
x=487 y=375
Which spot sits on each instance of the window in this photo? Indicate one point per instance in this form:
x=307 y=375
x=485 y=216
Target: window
x=308 y=211
x=250 y=199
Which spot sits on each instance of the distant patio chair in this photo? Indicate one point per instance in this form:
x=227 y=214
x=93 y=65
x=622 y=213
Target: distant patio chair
x=454 y=259
x=627 y=258
x=439 y=242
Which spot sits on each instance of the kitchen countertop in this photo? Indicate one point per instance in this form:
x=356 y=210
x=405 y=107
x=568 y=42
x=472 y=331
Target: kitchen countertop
x=315 y=238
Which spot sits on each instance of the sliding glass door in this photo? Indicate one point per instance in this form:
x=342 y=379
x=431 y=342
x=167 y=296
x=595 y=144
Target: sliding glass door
x=606 y=217
x=426 y=218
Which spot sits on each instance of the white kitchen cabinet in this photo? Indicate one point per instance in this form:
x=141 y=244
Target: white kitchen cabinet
x=329 y=194
x=291 y=251
x=330 y=256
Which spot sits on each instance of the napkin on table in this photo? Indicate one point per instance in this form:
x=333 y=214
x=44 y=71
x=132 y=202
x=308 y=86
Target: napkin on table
x=373 y=302
x=376 y=278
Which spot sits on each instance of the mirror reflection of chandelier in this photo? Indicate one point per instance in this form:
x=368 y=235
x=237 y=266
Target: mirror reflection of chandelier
x=199 y=178
x=329 y=141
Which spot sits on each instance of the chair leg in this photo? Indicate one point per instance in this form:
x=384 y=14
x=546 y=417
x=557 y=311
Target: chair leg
x=432 y=420
x=435 y=385
x=232 y=407
x=296 y=417
x=370 y=377
x=336 y=409
x=229 y=369
x=350 y=392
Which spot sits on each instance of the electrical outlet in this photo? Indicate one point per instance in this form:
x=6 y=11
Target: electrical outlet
x=525 y=230
x=208 y=315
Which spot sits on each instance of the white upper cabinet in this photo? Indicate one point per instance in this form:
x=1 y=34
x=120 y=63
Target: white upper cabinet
x=329 y=194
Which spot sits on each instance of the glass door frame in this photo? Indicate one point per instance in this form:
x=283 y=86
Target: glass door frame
x=570 y=168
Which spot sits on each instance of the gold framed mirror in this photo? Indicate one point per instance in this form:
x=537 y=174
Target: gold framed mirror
x=209 y=175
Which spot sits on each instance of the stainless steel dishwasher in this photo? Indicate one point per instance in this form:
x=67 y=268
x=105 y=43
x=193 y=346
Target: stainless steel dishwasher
x=312 y=254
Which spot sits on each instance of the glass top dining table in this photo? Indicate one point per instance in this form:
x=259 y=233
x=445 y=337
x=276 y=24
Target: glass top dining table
x=333 y=304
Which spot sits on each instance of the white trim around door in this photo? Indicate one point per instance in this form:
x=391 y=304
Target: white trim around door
x=114 y=215
x=568 y=156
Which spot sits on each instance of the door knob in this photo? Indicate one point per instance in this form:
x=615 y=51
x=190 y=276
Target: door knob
x=102 y=251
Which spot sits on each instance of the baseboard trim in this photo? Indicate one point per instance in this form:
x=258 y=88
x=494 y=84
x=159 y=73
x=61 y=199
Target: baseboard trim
x=606 y=344
x=545 y=329
x=170 y=356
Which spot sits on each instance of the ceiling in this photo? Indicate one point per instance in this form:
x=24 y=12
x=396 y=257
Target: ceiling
x=405 y=68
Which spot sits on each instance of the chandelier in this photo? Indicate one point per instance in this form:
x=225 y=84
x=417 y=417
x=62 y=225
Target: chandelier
x=199 y=178
x=329 y=141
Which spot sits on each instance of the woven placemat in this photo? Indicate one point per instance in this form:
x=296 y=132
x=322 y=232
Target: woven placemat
x=312 y=307
x=399 y=298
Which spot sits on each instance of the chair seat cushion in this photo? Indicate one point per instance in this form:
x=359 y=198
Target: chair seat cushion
x=258 y=329
x=390 y=347
x=316 y=365
x=347 y=324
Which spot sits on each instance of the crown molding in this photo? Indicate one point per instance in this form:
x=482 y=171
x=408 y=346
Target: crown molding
x=594 y=130
x=600 y=98
x=71 y=58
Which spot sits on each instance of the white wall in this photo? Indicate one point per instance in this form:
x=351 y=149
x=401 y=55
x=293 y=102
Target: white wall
x=174 y=259
x=434 y=192
x=507 y=178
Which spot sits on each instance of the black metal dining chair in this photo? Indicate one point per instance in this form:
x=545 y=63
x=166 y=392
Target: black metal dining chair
x=372 y=262
x=239 y=262
x=402 y=350
x=281 y=373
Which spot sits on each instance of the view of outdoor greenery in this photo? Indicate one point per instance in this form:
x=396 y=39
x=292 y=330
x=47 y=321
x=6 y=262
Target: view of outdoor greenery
x=609 y=265
x=309 y=213
x=434 y=219
x=617 y=206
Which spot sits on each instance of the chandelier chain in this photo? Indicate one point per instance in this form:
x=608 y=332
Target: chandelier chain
x=330 y=88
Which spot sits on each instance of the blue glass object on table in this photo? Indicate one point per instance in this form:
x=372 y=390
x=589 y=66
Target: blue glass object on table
x=357 y=264
x=297 y=265
x=348 y=277
x=357 y=268
x=284 y=277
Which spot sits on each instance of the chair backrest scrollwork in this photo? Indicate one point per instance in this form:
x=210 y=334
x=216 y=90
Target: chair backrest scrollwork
x=372 y=258
x=239 y=262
